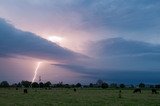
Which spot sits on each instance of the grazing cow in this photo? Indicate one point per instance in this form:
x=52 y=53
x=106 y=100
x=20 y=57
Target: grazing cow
x=137 y=90
x=75 y=90
x=154 y=91
x=25 y=91
x=120 y=95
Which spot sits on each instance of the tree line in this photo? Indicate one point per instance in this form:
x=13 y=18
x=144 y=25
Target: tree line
x=98 y=84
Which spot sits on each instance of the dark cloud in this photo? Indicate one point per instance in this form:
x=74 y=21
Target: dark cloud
x=118 y=59
x=16 y=42
x=126 y=54
x=133 y=15
x=111 y=75
x=90 y=16
x=120 y=46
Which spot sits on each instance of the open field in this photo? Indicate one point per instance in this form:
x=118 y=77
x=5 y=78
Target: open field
x=83 y=97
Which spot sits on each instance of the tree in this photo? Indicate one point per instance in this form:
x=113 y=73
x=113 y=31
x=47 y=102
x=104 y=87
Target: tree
x=91 y=85
x=99 y=83
x=35 y=85
x=141 y=85
x=4 y=84
x=72 y=85
x=151 y=86
x=122 y=86
x=41 y=85
x=47 y=84
x=26 y=83
x=104 y=85
x=67 y=86
x=157 y=86
x=19 y=85
x=113 y=85
x=132 y=86
x=78 y=85
x=14 y=85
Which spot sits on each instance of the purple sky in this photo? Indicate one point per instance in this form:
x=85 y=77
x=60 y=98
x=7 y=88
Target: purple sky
x=80 y=40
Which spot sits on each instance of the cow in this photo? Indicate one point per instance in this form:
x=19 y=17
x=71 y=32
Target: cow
x=154 y=91
x=75 y=89
x=25 y=91
x=16 y=88
x=120 y=94
x=137 y=90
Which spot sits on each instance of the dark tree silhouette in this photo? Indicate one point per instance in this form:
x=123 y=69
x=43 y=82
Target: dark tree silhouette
x=99 y=83
x=151 y=86
x=35 y=85
x=26 y=83
x=78 y=85
x=67 y=86
x=142 y=85
x=47 y=84
x=113 y=85
x=132 y=86
x=104 y=85
x=122 y=86
x=72 y=85
x=4 y=84
x=19 y=85
x=91 y=85
x=41 y=85
x=14 y=85
x=157 y=86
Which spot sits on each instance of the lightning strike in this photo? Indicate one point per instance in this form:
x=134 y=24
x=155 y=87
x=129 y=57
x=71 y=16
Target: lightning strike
x=35 y=72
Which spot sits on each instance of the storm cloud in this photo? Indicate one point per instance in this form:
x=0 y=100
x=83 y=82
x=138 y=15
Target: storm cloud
x=15 y=42
x=134 y=19
x=121 y=37
x=118 y=59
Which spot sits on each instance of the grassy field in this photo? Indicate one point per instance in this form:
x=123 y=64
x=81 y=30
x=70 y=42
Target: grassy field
x=83 y=97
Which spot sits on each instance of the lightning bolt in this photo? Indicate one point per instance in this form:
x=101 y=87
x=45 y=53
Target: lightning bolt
x=35 y=72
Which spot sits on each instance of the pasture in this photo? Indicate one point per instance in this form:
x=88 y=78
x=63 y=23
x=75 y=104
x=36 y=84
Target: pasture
x=82 y=97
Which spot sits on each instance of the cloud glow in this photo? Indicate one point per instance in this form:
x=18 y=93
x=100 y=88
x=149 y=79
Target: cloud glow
x=55 y=39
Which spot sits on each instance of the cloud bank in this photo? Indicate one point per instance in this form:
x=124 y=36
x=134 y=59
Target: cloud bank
x=15 y=42
x=118 y=59
x=123 y=47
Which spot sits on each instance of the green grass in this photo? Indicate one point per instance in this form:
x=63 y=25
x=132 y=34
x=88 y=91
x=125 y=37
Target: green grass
x=83 y=97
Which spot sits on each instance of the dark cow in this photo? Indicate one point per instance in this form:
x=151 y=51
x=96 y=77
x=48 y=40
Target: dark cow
x=75 y=89
x=120 y=94
x=154 y=91
x=137 y=90
x=25 y=91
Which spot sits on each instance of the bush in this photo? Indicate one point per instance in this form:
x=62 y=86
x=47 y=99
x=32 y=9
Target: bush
x=104 y=85
x=142 y=85
x=122 y=86
x=4 y=84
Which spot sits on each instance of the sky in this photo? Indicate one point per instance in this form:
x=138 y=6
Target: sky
x=80 y=40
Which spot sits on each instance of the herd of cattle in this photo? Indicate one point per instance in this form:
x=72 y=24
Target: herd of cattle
x=154 y=91
x=137 y=90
